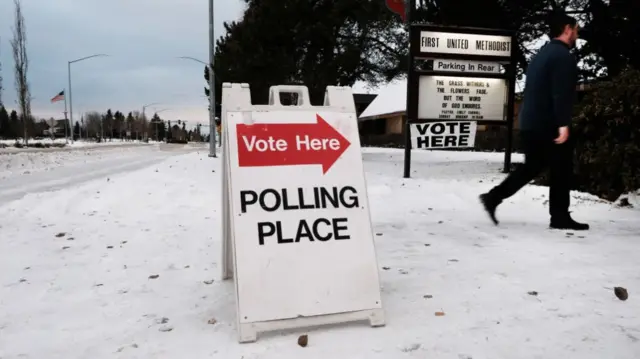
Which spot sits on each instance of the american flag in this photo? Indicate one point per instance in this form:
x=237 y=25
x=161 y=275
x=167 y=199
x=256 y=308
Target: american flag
x=58 y=97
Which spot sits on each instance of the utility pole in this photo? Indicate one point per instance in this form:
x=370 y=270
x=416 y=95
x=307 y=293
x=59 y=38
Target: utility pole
x=212 y=87
x=144 y=117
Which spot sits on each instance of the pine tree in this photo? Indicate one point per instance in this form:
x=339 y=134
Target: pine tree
x=40 y=126
x=314 y=43
x=14 y=125
x=207 y=79
x=118 y=124
x=108 y=123
x=130 y=121
x=157 y=127
x=5 y=125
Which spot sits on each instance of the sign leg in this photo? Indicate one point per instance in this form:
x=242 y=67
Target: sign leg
x=376 y=318
x=247 y=334
x=407 y=149
x=510 y=112
x=508 y=149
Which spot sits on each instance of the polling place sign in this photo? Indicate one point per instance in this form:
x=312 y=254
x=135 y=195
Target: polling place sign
x=290 y=144
x=449 y=134
x=298 y=224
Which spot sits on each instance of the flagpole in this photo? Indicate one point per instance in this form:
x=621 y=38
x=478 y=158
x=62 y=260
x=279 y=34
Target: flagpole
x=66 y=139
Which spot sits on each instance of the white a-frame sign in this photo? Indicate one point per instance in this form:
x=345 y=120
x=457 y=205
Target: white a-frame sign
x=297 y=234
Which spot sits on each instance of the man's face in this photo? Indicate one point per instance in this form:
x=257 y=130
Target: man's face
x=573 y=34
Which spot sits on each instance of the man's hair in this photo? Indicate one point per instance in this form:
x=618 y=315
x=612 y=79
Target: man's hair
x=558 y=22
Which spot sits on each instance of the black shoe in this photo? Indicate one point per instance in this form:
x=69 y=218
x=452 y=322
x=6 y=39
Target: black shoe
x=567 y=223
x=490 y=206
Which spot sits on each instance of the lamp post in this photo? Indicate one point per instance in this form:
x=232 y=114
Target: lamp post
x=156 y=124
x=148 y=105
x=144 y=117
x=212 y=88
x=212 y=91
x=69 y=74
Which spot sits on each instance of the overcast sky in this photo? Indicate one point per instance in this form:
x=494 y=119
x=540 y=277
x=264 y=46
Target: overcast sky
x=143 y=39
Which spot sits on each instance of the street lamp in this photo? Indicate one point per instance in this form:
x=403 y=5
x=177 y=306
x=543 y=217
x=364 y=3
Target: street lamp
x=212 y=87
x=148 y=105
x=193 y=59
x=212 y=91
x=144 y=107
x=155 y=125
x=69 y=73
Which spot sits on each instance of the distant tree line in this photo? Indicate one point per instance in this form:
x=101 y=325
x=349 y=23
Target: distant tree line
x=100 y=126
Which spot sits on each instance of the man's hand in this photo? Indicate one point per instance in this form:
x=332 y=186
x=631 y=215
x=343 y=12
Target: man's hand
x=563 y=135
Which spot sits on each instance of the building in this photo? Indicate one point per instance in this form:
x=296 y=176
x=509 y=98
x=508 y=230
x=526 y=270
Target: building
x=362 y=101
x=382 y=122
x=56 y=128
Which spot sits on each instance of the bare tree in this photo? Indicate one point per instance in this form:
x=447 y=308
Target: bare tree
x=1 y=88
x=93 y=121
x=19 y=47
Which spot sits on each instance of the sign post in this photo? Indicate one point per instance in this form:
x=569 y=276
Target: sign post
x=297 y=235
x=458 y=78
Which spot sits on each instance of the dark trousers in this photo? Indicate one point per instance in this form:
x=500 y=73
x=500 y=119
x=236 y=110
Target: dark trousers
x=540 y=153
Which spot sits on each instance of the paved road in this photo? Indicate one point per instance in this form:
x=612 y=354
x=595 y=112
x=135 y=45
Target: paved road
x=38 y=172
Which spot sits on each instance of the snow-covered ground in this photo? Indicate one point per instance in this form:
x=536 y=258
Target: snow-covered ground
x=27 y=172
x=57 y=144
x=127 y=266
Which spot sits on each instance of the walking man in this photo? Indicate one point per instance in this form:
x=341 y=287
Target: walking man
x=545 y=122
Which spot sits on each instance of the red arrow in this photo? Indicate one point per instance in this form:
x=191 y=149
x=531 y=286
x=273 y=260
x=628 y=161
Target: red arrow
x=397 y=6
x=290 y=144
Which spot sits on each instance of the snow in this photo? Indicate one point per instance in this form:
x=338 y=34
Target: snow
x=89 y=292
x=61 y=144
x=34 y=171
x=391 y=99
